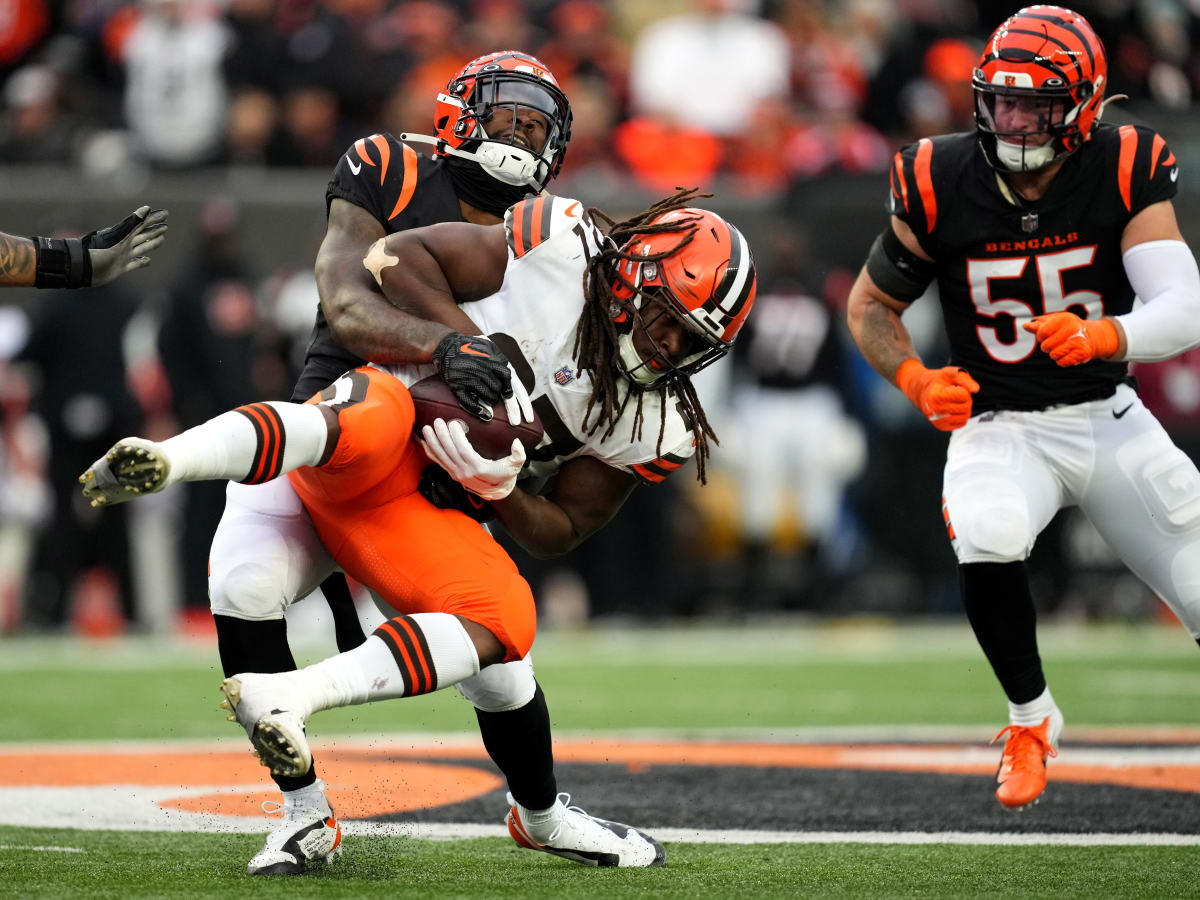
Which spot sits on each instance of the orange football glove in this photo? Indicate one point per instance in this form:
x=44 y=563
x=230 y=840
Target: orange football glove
x=943 y=395
x=1071 y=340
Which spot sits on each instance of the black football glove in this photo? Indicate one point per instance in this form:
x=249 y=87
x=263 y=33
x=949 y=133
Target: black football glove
x=444 y=492
x=476 y=370
x=100 y=256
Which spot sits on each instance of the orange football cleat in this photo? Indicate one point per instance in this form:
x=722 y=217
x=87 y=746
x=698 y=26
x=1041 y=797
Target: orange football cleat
x=1022 y=774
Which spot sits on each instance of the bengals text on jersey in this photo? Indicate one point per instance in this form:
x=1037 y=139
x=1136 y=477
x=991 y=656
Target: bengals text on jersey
x=1001 y=260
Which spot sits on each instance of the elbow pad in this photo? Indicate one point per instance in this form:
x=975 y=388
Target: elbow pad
x=1164 y=275
x=896 y=270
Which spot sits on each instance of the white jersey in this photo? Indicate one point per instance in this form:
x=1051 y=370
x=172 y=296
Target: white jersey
x=533 y=318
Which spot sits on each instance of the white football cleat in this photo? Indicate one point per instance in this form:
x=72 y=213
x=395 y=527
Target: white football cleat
x=133 y=467
x=308 y=836
x=588 y=840
x=262 y=704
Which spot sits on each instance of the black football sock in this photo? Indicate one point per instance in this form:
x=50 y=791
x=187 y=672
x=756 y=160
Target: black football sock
x=259 y=647
x=1000 y=608
x=518 y=741
x=346 y=627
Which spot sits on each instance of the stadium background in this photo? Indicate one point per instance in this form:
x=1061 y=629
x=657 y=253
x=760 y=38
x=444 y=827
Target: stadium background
x=793 y=716
x=233 y=114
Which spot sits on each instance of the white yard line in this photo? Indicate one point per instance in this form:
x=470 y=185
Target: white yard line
x=42 y=849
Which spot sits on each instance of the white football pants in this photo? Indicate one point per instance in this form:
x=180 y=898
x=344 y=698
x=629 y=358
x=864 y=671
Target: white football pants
x=800 y=439
x=1008 y=473
x=266 y=555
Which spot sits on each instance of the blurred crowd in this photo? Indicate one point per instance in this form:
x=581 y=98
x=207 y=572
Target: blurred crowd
x=820 y=494
x=671 y=92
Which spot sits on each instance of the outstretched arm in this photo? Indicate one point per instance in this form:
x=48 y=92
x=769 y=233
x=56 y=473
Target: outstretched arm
x=97 y=258
x=16 y=261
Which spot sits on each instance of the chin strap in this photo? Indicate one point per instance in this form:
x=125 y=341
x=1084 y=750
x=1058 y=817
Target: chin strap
x=503 y=164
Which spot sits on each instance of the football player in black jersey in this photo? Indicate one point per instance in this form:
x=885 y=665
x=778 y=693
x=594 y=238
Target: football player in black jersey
x=1040 y=228
x=96 y=258
x=501 y=130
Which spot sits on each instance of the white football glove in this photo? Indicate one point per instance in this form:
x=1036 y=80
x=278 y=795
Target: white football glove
x=518 y=407
x=491 y=479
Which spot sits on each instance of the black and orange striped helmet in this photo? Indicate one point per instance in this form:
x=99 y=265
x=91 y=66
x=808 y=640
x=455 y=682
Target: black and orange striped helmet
x=1039 y=88
x=708 y=282
x=507 y=78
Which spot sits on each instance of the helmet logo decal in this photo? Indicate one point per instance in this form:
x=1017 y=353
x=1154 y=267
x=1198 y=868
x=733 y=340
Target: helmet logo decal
x=1010 y=80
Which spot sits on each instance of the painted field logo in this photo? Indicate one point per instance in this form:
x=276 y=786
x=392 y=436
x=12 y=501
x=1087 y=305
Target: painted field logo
x=852 y=787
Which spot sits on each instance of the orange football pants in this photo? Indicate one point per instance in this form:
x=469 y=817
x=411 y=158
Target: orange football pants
x=384 y=534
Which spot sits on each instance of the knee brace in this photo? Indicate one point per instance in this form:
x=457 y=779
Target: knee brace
x=501 y=687
x=991 y=522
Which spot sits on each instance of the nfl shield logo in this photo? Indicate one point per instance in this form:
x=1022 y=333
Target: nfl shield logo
x=1029 y=222
x=564 y=376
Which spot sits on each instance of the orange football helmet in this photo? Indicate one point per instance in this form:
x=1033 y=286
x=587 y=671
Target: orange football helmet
x=707 y=282
x=1039 y=88
x=507 y=78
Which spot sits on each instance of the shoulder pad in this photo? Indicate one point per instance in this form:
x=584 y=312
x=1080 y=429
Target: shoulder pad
x=378 y=173
x=1146 y=168
x=533 y=221
x=913 y=198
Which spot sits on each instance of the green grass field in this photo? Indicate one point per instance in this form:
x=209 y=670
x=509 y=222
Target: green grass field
x=678 y=682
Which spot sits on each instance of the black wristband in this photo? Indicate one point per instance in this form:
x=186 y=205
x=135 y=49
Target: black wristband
x=61 y=263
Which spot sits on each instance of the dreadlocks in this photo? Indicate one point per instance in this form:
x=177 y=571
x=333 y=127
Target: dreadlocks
x=596 y=337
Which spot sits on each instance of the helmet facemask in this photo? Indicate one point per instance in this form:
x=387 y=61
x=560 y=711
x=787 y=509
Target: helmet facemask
x=502 y=149
x=650 y=366
x=1025 y=130
x=1039 y=88
x=465 y=122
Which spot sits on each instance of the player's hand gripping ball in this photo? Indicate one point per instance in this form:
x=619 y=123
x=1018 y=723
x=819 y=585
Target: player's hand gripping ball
x=492 y=479
x=492 y=439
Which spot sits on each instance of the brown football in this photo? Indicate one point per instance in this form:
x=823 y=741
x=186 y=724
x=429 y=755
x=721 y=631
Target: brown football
x=433 y=399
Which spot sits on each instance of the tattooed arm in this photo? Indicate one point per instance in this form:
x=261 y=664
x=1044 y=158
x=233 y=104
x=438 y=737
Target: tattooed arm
x=17 y=261
x=361 y=318
x=874 y=317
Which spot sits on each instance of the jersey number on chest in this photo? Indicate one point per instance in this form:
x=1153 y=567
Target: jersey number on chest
x=986 y=278
x=561 y=441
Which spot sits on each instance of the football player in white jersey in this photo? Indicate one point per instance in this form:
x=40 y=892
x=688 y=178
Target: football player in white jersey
x=603 y=331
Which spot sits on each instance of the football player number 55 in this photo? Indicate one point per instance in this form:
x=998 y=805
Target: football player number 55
x=1050 y=266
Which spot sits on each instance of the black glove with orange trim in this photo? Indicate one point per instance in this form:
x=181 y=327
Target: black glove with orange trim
x=476 y=370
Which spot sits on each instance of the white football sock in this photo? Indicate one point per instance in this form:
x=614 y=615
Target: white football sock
x=310 y=796
x=261 y=439
x=1033 y=712
x=540 y=823
x=406 y=656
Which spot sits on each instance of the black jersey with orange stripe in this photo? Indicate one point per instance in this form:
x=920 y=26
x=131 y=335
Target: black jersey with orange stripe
x=1002 y=260
x=401 y=189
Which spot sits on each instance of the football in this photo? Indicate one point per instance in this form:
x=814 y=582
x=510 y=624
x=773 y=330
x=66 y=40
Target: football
x=433 y=399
